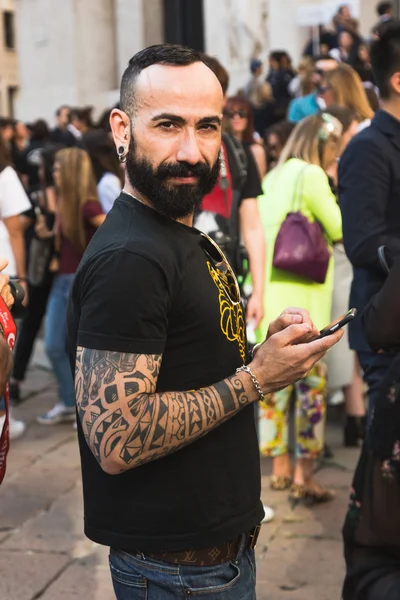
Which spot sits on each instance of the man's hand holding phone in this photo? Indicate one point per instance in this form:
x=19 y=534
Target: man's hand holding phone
x=290 y=350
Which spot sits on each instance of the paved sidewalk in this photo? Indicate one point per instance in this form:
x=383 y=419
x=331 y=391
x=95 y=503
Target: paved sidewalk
x=43 y=553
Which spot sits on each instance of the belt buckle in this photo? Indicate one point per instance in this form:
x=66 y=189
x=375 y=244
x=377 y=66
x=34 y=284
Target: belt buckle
x=254 y=536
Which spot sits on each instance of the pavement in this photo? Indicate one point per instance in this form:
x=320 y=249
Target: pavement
x=44 y=554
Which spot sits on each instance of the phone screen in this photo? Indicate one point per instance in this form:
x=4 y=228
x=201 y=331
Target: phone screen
x=338 y=323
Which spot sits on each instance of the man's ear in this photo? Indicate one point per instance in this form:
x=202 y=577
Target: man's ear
x=120 y=127
x=395 y=82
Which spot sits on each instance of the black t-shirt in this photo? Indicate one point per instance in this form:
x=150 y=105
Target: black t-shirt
x=144 y=286
x=30 y=163
x=63 y=137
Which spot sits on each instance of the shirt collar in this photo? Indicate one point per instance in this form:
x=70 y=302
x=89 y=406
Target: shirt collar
x=388 y=125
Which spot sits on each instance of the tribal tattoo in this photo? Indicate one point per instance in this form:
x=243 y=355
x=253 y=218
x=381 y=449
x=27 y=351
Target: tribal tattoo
x=127 y=424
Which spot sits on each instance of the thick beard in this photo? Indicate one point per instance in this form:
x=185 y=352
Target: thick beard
x=173 y=201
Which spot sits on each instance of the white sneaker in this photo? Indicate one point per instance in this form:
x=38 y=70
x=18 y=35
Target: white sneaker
x=269 y=514
x=16 y=428
x=336 y=398
x=58 y=414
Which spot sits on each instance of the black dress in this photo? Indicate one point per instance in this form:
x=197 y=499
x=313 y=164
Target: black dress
x=371 y=531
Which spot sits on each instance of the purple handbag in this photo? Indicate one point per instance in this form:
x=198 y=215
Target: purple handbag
x=300 y=246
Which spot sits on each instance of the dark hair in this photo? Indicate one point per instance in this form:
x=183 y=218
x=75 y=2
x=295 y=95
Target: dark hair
x=383 y=8
x=341 y=8
x=40 y=130
x=345 y=115
x=160 y=54
x=62 y=107
x=275 y=55
x=6 y=122
x=84 y=115
x=385 y=58
x=372 y=96
x=104 y=121
x=102 y=153
x=282 y=130
x=219 y=71
x=48 y=154
x=242 y=104
x=5 y=158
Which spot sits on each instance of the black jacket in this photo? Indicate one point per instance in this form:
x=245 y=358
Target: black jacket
x=369 y=196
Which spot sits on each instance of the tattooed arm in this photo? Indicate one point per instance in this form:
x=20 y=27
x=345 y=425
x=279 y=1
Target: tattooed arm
x=126 y=424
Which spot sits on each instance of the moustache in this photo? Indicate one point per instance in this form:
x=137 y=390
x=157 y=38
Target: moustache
x=167 y=170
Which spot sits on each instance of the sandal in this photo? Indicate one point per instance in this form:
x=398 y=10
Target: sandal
x=309 y=495
x=319 y=494
x=280 y=483
x=297 y=494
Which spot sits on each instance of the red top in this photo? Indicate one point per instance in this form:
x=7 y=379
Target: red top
x=215 y=201
x=70 y=257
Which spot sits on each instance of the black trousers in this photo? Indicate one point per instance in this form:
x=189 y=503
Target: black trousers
x=30 y=326
x=375 y=368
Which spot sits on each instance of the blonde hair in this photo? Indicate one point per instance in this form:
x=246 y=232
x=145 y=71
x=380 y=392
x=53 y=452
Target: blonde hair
x=307 y=85
x=309 y=138
x=348 y=91
x=77 y=186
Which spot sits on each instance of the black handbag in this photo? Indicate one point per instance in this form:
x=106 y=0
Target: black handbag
x=40 y=255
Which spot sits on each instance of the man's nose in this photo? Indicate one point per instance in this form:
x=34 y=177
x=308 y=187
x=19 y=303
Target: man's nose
x=189 y=149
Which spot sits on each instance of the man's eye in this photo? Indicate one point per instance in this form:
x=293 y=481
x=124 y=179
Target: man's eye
x=209 y=127
x=167 y=125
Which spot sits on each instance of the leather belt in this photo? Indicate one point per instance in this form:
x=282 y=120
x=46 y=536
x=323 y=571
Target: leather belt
x=215 y=555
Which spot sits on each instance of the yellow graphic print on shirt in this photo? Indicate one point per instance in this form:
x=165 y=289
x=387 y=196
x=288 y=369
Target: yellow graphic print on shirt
x=232 y=319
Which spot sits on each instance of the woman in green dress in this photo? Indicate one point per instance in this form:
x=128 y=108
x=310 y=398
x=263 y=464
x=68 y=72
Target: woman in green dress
x=299 y=182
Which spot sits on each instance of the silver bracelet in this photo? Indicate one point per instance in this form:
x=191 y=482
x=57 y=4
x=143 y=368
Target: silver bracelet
x=257 y=386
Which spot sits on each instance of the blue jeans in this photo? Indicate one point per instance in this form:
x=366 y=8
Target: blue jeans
x=136 y=577
x=56 y=337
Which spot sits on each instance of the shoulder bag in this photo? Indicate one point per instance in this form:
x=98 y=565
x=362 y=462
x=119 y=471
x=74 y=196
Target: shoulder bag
x=300 y=247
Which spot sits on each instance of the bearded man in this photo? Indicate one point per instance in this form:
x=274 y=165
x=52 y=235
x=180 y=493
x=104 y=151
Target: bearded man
x=165 y=395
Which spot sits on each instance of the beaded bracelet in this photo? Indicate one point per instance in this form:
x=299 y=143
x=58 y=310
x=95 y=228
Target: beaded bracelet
x=257 y=386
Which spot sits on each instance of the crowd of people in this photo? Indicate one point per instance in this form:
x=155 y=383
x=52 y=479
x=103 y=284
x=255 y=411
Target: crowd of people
x=293 y=143
x=58 y=185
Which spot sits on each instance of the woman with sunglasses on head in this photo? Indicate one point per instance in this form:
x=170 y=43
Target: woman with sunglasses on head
x=343 y=87
x=78 y=215
x=239 y=122
x=299 y=182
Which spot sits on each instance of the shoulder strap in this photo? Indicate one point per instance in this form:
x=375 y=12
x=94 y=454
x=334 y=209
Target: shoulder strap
x=297 y=198
x=238 y=153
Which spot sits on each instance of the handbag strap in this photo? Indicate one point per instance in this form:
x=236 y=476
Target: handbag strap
x=297 y=198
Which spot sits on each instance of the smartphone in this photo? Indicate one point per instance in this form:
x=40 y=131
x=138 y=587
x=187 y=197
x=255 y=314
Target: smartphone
x=338 y=323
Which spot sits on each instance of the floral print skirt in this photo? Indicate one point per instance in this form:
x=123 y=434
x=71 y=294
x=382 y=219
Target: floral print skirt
x=310 y=412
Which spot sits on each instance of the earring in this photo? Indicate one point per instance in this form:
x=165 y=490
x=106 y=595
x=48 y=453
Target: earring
x=121 y=154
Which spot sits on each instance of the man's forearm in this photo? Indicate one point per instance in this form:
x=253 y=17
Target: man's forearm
x=126 y=425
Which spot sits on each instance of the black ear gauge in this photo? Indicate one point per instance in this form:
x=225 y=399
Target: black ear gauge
x=121 y=154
